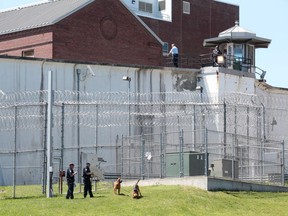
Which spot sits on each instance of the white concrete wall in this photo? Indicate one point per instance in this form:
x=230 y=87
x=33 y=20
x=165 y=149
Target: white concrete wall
x=217 y=81
x=31 y=75
x=19 y=75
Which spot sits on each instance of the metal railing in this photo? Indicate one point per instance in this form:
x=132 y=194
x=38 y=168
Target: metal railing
x=228 y=61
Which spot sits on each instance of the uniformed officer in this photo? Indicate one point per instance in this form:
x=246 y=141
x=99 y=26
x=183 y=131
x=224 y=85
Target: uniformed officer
x=70 y=181
x=87 y=180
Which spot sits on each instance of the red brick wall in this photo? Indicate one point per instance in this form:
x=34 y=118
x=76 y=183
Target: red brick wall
x=104 y=32
x=40 y=43
x=207 y=19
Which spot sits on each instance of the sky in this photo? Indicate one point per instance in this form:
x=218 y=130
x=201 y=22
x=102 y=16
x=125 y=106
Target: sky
x=266 y=18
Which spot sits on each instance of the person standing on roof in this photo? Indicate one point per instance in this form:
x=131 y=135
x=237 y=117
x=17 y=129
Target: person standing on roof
x=174 y=53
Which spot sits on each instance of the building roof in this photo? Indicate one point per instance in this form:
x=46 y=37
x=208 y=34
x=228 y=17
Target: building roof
x=38 y=15
x=237 y=34
x=48 y=13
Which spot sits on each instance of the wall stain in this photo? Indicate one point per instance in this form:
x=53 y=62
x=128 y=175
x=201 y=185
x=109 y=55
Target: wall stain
x=184 y=81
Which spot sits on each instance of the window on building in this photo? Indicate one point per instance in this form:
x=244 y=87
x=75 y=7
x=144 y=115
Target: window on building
x=146 y=7
x=162 y=5
x=165 y=47
x=186 y=7
x=28 y=53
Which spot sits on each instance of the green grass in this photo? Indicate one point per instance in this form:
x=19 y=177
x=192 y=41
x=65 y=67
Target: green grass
x=157 y=200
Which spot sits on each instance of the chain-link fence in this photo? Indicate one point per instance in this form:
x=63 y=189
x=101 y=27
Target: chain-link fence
x=176 y=155
x=134 y=135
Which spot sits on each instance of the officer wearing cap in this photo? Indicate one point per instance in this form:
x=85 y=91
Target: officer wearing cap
x=70 y=181
x=87 y=180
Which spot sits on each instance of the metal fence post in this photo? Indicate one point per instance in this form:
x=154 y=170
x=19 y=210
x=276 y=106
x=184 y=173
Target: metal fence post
x=44 y=152
x=117 y=153
x=181 y=154
x=15 y=151
x=247 y=145
x=49 y=192
x=96 y=129
x=62 y=135
x=233 y=155
x=263 y=138
x=143 y=156
x=225 y=127
x=194 y=128
x=122 y=152
x=234 y=143
x=161 y=156
x=206 y=151
x=283 y=164
x=78 y=72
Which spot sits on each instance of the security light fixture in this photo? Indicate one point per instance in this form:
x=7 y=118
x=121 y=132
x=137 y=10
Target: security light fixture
x=220 y=59
x=199 y=88
x=126 y=78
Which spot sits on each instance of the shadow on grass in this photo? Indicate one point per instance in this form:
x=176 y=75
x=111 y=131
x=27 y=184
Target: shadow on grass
x=140 y=197
x=44 y=196
x=122 y=194
x=22 y=198
x=255 y=195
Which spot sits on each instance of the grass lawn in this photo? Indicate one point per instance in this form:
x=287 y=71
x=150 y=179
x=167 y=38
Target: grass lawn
x=157 y=200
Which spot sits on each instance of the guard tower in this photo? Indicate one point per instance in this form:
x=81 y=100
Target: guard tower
x=233 y=69
x=230 y=71
x=237 y=46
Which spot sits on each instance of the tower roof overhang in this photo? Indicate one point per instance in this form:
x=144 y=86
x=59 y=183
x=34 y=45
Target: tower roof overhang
x=237 y=34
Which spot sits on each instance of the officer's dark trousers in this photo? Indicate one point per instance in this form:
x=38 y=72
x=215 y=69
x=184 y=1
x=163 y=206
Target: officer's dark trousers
x=175 y=60
x=87 y=188
x=70 y=191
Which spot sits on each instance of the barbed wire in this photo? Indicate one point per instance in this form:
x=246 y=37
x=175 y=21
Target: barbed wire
x=155 y=98
x=112 y=109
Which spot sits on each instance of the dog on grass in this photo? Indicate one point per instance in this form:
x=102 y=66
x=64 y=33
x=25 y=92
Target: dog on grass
x=117 y=186
x=136 y=194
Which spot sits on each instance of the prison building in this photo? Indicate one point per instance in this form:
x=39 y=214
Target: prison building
x=138 y=32
x=186 y=23
x=103 y=31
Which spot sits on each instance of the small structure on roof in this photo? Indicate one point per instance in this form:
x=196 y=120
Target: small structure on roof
x=237 y=47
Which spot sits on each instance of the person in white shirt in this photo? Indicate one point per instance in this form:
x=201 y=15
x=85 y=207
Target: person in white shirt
x=174 y=52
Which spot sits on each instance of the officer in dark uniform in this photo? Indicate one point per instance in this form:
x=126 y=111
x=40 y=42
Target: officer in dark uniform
x=87 y=180
x=70 y=181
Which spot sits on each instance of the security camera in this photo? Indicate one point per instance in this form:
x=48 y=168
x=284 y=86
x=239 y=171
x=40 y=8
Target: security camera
x=90 y=70
x=2 y=93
